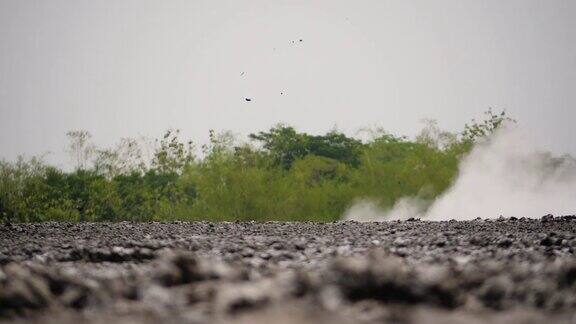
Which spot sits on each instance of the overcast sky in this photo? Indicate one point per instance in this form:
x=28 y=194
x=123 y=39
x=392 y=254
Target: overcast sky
x=136 y=67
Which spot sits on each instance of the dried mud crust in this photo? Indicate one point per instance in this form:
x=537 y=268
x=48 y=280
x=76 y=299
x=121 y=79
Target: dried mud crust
x=498 y=271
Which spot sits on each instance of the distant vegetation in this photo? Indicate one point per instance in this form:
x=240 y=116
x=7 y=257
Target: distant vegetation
x=280 y=174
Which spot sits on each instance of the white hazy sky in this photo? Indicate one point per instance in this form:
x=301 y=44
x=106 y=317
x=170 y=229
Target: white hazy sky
x=137 y=67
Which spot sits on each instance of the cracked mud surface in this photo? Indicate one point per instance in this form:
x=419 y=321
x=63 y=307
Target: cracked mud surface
x=496 y=271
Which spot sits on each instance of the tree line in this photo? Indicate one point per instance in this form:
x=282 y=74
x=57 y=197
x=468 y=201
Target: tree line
x=279 y=174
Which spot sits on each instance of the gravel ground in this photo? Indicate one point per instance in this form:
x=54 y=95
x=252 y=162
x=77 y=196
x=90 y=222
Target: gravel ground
x=482 y=271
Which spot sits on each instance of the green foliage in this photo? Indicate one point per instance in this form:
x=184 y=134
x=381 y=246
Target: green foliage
x=283 y=175
x=123 y=159
x=392 y=168
x=285 y=145
x=172 y=156
x=80 y=148
x=486 y=127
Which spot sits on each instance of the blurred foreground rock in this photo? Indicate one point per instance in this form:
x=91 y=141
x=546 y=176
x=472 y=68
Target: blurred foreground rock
x=504 y=271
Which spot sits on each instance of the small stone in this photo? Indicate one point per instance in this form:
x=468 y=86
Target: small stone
x=300 y=246
x=506 y=243
x=247 y=253
x=547 y=241
x=441 y=243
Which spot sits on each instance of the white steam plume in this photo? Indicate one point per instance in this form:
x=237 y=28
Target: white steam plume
x=503 y=175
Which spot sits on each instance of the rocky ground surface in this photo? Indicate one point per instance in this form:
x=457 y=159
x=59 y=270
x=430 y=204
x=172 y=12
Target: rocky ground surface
x=483 y=271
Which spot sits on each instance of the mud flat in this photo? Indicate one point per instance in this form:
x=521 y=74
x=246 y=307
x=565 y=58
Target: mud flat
x=483 y=271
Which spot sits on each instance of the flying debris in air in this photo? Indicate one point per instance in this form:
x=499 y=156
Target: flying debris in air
x=242 y=74
x=248 y=99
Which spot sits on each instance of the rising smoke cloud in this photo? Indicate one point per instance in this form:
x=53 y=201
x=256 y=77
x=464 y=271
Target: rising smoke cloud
x=505 y=174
